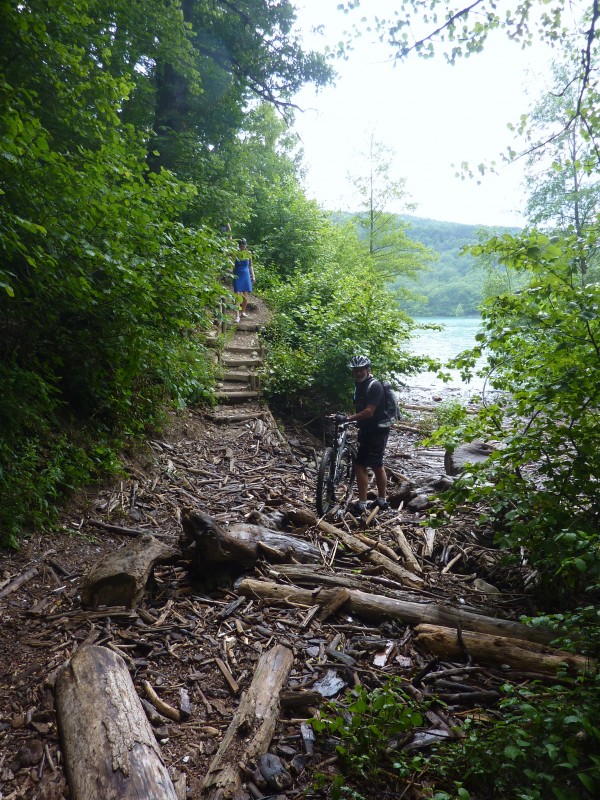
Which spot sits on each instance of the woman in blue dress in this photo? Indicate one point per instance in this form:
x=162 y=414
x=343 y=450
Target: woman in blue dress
x=243 y=278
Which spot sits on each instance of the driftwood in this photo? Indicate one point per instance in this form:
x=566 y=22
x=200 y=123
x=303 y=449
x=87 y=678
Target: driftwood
x=109 y=747
x=486 y=649
x=120 y=577
x=252 y=726
x=17 y=582
x=206 y=543
x=377 y=607
x=412 y=565
x=405 y=577
x=122 y=529
x=302 y=575
x=163 y=708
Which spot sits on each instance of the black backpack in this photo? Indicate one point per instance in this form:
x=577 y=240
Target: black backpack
x=390 y=404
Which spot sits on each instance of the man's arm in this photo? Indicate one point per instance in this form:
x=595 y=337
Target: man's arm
x=374 y=393
x=366 y=413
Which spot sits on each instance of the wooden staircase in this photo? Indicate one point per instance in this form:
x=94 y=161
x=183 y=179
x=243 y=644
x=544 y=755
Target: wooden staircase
x=241 y=362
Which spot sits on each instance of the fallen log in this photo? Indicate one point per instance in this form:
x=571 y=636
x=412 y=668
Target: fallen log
x=109 y=746
x=228 y=419
x=206 y=543
x=377 y=607
x=251 y=729
x=412 y=565
x=405 y=577
x=488 y=649
x=301 y=575
x=108 y=526
x=17 y=582
x=120 y=577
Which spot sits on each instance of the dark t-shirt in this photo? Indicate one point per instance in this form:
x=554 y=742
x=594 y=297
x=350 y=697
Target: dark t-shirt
x=367 y=393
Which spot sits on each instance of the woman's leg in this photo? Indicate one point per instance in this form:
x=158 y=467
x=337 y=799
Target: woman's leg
x=239 y=299
x=244 y=301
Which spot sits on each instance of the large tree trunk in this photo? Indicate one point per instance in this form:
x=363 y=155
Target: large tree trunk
x=251 y=730
x=109 y=747
x=377 y=607
x=206 y=543
x=486 y=649
x=120 y=577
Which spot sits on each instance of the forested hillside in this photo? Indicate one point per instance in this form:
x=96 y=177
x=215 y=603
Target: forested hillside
x=454 y=284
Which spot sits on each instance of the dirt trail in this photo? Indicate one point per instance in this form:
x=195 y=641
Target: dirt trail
x=249 y=469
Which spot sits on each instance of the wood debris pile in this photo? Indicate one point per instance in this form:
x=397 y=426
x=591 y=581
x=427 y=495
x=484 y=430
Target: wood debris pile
x=245 y=614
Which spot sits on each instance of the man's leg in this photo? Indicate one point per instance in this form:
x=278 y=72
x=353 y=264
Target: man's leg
x=362 y=482
x=380 y=480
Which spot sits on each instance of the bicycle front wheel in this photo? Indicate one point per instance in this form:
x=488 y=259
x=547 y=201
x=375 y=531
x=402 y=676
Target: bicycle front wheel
x=335 y=479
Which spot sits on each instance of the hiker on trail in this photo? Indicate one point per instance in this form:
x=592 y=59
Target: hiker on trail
x=243 y=278
x=373 y=431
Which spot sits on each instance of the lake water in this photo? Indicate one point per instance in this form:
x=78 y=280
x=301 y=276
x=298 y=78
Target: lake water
x=457 y=334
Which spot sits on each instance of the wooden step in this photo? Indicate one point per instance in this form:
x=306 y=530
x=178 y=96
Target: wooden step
x=232 y=397
x=241 y=362
x=238 y=375
x=244 y=326
x=244 y=348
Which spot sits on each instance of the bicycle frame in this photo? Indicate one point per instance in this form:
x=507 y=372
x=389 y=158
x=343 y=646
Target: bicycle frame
x=336 y=471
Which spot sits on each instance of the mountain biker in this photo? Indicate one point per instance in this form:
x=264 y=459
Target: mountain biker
x=373 y=431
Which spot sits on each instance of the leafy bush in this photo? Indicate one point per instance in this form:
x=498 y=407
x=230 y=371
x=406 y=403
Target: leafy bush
x=322 y=318
x=446 y=419
x=541 y=489
x=546 y=744
x=368 y=728
x=542 y=741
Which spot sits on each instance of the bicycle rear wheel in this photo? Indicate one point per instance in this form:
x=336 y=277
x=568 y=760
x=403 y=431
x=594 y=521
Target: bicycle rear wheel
x=335 y=479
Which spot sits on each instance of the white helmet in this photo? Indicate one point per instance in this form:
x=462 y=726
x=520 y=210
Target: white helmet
x=359 y=362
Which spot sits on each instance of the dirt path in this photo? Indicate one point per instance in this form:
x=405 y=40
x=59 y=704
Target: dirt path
x=249 y=469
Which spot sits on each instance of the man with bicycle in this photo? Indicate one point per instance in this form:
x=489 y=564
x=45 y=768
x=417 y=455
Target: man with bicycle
x=373 y=431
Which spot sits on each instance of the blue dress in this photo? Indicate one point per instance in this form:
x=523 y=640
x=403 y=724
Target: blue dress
x=242 y=281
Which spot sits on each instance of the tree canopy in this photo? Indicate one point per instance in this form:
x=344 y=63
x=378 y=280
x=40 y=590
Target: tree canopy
x=118 y=123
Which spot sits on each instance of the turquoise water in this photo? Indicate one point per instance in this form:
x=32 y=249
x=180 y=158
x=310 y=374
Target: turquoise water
x=457 y=334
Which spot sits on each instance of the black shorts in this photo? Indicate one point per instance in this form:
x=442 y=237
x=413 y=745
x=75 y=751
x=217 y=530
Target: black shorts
x=371 y=447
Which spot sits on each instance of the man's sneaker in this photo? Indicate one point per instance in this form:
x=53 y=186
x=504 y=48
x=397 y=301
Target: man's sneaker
x=381 y=503
x=357 y=508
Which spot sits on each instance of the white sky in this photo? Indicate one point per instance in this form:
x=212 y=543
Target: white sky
x=431 y=114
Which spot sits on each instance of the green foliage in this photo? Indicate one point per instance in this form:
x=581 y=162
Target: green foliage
x=368 y=727
x=545 y=744
x=543 y=347
x=39 y=462
x=110 y=271
x=447 y=418
x=562 y=182
x=323 y=318
x=542 y=741
x=392 y=252
x=463 y=30
x=290 y=231
x=454 y=278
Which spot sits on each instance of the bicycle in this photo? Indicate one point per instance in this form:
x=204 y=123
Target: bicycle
x=336 y=471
